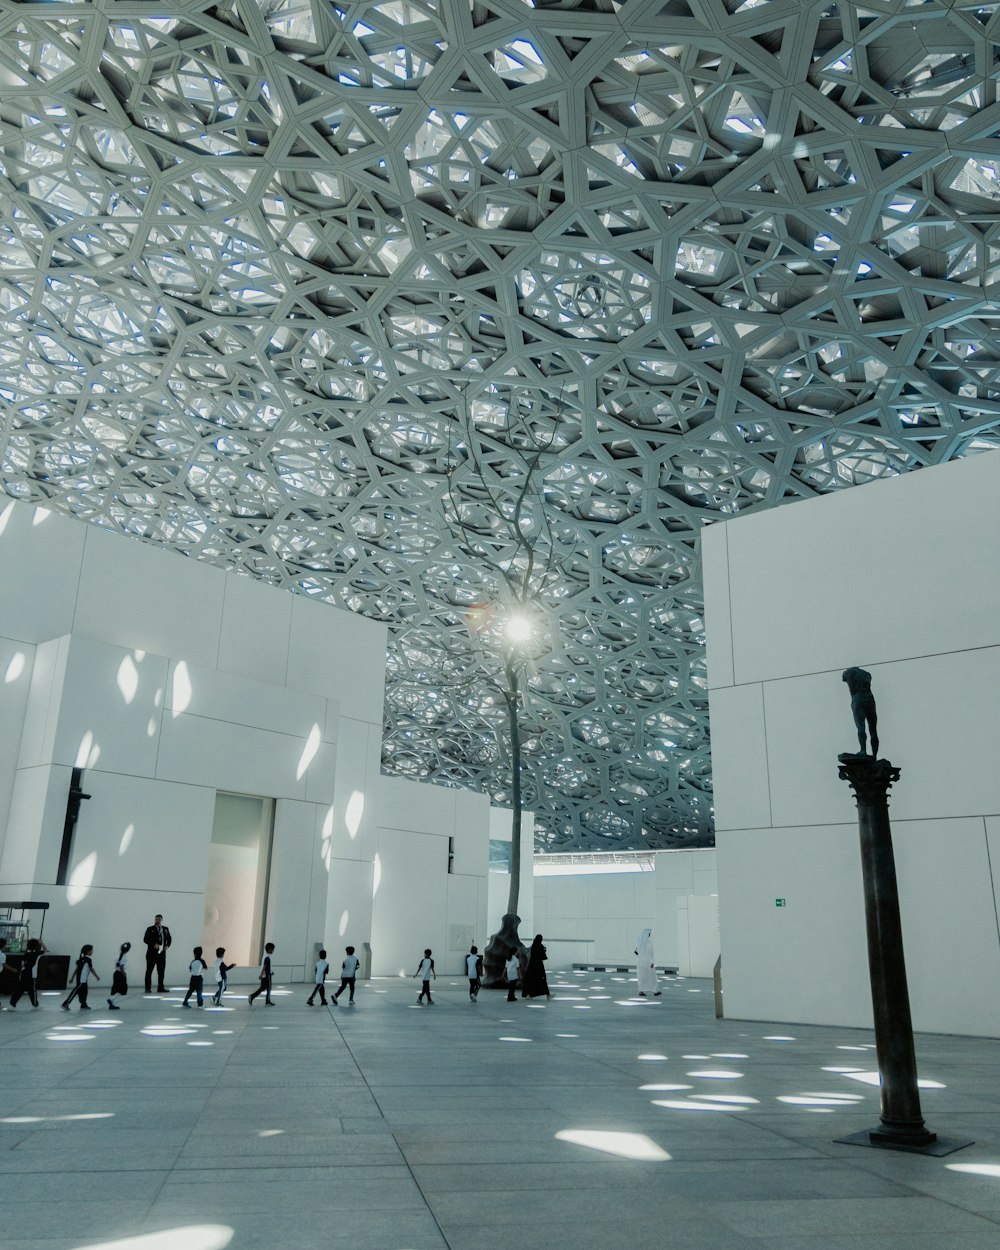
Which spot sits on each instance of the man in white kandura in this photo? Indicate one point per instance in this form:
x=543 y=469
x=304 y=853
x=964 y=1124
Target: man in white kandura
x=649 y=985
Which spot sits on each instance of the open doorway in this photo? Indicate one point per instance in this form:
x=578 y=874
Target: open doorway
x=239 y=865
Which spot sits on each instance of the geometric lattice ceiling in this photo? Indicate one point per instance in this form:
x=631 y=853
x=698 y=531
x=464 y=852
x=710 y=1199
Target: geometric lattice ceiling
x=262 y=259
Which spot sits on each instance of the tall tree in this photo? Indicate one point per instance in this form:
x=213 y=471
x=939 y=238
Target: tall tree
x=495 y=508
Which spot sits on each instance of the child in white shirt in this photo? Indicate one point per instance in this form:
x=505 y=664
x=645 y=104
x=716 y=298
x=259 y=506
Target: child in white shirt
x=513 y=972
x=348 y=973
x=82 y=973
x=265 y=977
x=319 y=977
x=425 y=970
x=196 y=970
x=221 y=978
x=474 y=971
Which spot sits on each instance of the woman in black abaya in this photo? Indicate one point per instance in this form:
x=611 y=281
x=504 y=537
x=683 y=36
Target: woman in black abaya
x=535 y=984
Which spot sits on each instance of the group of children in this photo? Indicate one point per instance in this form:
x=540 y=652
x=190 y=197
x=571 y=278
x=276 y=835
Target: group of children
x=473 y=970
x=197 y=969
x=83 y=974
x=348 y=978
x=84 y=970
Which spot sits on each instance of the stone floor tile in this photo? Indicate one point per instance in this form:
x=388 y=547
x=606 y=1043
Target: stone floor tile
x=387 y=1127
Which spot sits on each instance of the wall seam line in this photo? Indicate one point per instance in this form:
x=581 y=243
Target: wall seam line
x=729 y=602
x=989 y=865
x=902 y=659
x=767 y=760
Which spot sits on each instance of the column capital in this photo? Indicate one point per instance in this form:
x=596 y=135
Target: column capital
x=869 y=778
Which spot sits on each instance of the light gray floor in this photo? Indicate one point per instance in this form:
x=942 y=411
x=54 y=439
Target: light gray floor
x=476 y=1127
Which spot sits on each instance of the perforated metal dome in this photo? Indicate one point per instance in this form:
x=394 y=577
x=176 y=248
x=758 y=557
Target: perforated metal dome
x=269 y=268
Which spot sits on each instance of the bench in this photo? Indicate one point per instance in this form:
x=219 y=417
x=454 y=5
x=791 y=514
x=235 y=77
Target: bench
x=612 y=967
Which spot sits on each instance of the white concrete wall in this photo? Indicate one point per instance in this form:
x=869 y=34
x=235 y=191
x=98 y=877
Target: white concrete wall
x=611 y=909
x=169 y=680
x=899 y=577
x=417 y=901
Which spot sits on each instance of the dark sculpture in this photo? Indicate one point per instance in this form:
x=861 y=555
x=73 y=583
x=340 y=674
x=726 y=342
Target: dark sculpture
x=499 y=949
x=859 y=683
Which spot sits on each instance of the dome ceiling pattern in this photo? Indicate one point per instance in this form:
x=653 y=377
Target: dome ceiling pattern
x=275 y=271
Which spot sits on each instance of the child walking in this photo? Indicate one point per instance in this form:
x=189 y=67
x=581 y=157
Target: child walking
x=474 y=971
x=221 y=975
x=4 y=966
x=513 y=972
x=265 y=976
x=119 y=980
x=196 y=970
x=425 y=970
x=348 y=974
x=82 y=973
x=319 y=977
x=27 y=974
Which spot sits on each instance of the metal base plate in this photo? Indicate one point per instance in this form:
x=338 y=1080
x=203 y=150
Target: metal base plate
x=874 y=1138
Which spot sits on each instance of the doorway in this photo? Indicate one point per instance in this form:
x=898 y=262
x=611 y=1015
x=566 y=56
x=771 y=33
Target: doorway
x=239 y=866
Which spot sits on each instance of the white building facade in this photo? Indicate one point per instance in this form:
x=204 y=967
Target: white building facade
x=900 y=578
x=229 y=738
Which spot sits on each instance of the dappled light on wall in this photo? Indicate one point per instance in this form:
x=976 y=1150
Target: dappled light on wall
x=81 y=879
x=5 y=517
x=181 y=690
x=126 y=841
x=127 y=679
x=88 y=752
x=308 y=752
x=16 y=666
x=355 y=810
x=326 y=843
x=376 y=874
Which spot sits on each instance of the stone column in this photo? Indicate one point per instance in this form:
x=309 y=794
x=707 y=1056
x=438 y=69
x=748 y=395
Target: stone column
x=901 y=1121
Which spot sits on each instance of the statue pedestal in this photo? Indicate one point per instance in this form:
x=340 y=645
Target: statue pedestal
x=901 y=1123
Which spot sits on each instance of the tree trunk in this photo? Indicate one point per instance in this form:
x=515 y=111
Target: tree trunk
x=506 y=941
x=511 y=696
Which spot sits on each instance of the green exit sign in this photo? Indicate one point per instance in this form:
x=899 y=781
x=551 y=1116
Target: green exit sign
x=779 y=902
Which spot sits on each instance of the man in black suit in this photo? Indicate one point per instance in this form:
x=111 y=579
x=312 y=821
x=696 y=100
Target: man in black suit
x=157 y=939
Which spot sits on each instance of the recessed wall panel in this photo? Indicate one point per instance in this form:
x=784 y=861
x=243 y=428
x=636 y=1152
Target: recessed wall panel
x=888 y=571
x=719 y=639
x=135 y=595
x=40 y=554
x=742 y=795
